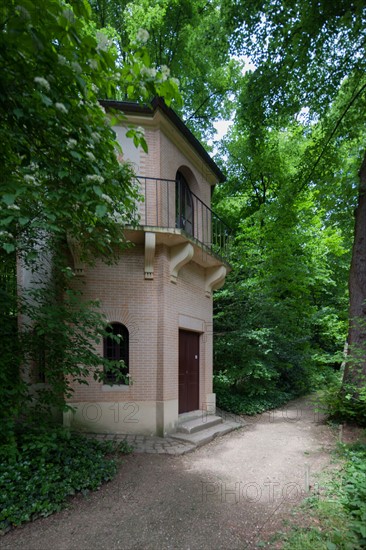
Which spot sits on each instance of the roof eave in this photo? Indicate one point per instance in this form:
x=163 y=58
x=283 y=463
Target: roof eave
x=158 y=103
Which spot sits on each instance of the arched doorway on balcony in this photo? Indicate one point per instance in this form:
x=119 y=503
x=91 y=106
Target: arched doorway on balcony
x=184 y=205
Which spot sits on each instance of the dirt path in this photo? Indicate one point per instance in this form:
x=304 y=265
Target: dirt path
x=230 y=494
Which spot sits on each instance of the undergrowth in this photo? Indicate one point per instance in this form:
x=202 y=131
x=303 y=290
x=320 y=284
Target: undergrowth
x=45 y=467
x=336 y=518
x=345 y=402
x=238 y=404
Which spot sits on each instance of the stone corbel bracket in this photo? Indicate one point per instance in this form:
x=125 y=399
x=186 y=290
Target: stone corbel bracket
x=180 y=255
x=150 y=245
x=215 y=279
x=74 y=246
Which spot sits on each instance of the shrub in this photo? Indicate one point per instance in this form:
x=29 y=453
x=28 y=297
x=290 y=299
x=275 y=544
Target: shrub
x=230 y=399
x=354 y=497
x=345 y=403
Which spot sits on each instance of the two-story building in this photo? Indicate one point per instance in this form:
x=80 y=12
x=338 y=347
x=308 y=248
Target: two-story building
x=158 y=296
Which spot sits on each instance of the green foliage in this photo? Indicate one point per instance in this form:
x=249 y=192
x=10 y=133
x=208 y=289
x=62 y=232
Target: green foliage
x=330 y=533
x=54 y=347
x=61 y=178
x=13 y=389
x=46 y=467
x=231 y=399
x=292 y=46
x=61 y=340
x=344 y=402
x=335 y=518
x=280 y=321
x=303 y=82
x=187 y=38
x=60 y=168
x=354 y=490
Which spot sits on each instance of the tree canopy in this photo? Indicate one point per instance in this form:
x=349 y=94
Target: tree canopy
x=310 y=67
x=188 y=38
x=306 y=49
x=59 y=167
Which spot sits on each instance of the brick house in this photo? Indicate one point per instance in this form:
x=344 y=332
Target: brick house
x=159 y=295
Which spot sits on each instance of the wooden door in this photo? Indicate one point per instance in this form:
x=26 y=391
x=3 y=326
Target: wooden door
x=189 y=345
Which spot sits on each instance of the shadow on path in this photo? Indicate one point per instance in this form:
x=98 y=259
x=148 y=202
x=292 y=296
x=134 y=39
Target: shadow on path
x=230 y=494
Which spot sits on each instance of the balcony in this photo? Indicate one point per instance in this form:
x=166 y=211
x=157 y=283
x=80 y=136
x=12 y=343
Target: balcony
x=169 y=207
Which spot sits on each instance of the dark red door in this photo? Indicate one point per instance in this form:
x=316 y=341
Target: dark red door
x=189 y=361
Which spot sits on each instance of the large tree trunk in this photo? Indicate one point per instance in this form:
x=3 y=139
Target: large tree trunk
x=355 y=371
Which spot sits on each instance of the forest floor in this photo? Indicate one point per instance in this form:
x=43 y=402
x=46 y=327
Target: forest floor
x=234 y=493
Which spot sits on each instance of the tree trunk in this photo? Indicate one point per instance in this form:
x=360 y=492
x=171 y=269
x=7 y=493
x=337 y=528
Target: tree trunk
x=355 y=371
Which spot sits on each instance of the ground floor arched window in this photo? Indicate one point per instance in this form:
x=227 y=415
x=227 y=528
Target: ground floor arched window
x=116 y=348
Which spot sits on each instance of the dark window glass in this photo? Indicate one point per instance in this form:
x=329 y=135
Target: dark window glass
x=116 y=351
x=184 y=205
x=39 y=355
x=41 y=365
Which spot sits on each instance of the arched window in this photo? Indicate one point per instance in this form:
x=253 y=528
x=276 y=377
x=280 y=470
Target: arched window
x=184 y=205
x=39 y=343
x=116 y=349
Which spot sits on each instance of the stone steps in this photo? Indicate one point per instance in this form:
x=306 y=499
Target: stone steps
x=205 y=435
x=203 y=422
x=198 y=427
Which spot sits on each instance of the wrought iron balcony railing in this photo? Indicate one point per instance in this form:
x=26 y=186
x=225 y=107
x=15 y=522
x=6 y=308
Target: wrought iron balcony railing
x=170 y=204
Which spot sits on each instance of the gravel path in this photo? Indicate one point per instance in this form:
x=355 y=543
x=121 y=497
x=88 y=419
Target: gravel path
x=230 y=494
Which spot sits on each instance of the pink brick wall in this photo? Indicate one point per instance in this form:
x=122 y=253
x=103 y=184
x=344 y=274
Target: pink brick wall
x=150 y=309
